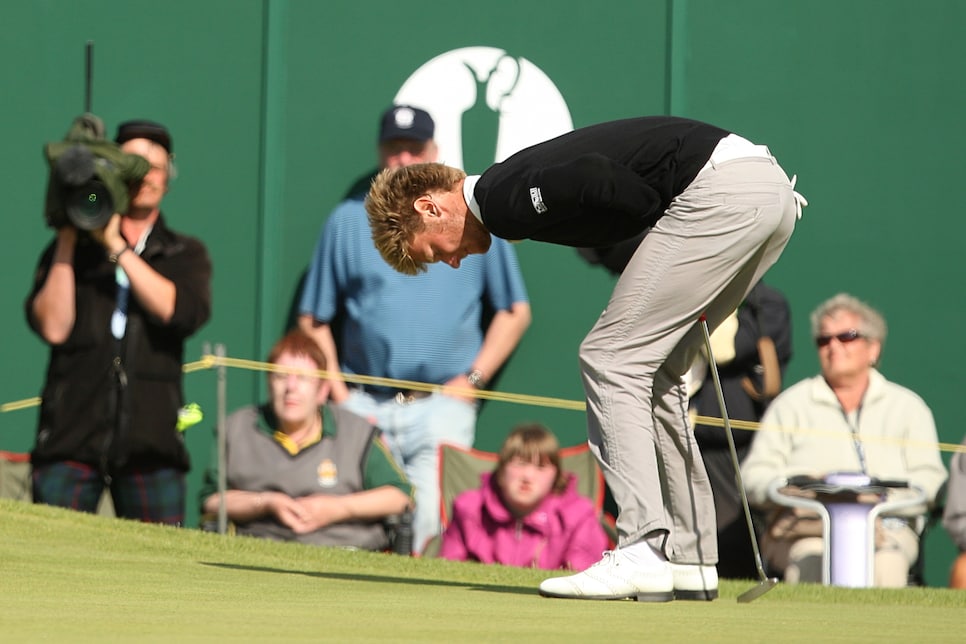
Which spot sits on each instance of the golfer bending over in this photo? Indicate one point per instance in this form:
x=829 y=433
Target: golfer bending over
x=720 y=211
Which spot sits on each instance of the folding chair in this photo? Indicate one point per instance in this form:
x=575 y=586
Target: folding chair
x=15 y=476
x=460 y=469
x=15 y=482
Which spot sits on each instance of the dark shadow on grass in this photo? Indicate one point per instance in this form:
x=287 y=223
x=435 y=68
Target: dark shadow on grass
x=487 y=588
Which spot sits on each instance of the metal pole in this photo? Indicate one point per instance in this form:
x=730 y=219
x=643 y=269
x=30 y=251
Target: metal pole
x=222 y=449
x=88 y=74
x=765 y=583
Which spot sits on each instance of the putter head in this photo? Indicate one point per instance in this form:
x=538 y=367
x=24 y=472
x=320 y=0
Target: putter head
x=754 y=593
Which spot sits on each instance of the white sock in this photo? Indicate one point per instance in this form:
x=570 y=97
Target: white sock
x=642 y=554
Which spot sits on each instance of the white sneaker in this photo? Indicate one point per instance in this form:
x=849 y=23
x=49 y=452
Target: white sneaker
x=695 y=581
x=613 y=577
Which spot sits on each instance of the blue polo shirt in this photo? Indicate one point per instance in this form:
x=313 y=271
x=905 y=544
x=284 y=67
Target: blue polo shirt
x=426 y=327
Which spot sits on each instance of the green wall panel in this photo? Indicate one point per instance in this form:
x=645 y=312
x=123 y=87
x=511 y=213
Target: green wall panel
x=274 y=106
x=343 y=68
x=862 y=100
x=181 y=63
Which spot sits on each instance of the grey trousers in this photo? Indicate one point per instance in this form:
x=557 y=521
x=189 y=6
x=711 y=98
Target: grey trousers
x=715 y=241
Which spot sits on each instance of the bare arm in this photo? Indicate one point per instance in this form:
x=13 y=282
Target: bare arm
x=502 y=337
x=322 y=334
x=54 y=305
x=155 y=292
x=368 y=505
x=243 y=506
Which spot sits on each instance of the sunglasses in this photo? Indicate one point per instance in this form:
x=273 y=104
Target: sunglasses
x=845 y=337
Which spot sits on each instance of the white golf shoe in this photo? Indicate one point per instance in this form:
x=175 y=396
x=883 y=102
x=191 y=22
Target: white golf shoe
x=695 y=581
x=614 y=577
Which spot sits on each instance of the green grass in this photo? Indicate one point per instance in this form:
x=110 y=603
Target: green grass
x=70 y=577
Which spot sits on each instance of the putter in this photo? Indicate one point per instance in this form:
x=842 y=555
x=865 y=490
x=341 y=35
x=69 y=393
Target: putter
x=765 y=583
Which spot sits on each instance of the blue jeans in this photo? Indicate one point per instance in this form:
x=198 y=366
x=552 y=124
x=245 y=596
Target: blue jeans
x=413 y=431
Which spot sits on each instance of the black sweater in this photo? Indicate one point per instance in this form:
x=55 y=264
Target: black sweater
x=597 y=185
x=114 y=405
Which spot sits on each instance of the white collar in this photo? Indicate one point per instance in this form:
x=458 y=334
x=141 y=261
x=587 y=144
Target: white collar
x=469 y=184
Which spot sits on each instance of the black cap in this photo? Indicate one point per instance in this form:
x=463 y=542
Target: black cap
x=406 y=122
x=140 y=129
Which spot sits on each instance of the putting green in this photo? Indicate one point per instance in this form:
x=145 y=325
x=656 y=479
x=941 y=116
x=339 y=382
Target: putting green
x=82 y=578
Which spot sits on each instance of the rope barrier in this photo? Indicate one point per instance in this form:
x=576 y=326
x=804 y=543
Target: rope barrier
x=211 y=361
x=20 y=404
x=825 y=433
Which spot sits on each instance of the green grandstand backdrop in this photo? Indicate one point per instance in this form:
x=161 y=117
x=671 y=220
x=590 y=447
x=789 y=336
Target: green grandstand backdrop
x=273 y=105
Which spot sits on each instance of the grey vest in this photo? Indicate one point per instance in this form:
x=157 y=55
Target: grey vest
x=334 y=465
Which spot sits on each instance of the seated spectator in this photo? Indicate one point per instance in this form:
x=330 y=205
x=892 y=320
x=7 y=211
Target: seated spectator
x=298 y=470
x=954 y=516
x=527 y=512
x=887 y=432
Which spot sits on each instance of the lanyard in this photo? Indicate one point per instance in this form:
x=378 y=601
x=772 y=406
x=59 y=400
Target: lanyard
x=856 y=441
x=119 y=317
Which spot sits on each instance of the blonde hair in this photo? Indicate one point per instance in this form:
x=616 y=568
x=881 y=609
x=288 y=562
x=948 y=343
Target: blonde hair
x=392 y=215
x=534 y=443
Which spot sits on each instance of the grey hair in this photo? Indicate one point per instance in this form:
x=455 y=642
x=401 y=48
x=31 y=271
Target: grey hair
x=872 y=325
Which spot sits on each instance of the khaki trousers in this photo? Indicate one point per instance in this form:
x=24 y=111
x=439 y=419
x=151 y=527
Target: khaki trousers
x=715 y=241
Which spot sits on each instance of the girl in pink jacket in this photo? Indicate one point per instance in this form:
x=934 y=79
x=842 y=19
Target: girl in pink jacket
x=527 y=512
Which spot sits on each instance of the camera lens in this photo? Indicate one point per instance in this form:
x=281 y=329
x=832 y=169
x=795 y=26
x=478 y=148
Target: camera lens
x=89 y=206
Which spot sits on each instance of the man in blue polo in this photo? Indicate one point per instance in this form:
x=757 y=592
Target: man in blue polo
x=371 y=320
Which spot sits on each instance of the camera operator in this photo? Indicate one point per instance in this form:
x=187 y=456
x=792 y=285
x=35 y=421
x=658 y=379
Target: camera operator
x=116 y=305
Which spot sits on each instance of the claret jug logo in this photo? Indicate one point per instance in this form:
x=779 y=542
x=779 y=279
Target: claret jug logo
x=487 y=104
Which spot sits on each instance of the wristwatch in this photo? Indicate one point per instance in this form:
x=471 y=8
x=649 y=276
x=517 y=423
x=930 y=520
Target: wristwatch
x=113 y=257
x=475 y=378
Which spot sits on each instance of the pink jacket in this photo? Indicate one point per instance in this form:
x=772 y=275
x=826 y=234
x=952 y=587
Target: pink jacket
x=562 y=532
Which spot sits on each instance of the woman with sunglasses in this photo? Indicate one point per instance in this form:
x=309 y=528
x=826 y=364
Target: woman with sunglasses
x=849 y=418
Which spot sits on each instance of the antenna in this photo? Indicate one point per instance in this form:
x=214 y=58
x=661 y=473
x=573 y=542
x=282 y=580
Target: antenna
x=88 y=73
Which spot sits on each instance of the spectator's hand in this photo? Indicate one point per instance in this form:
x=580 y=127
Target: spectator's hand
x=110 y=235
x=321 y=510
x=461 y=382
x=288 y=511
x=339 y=392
